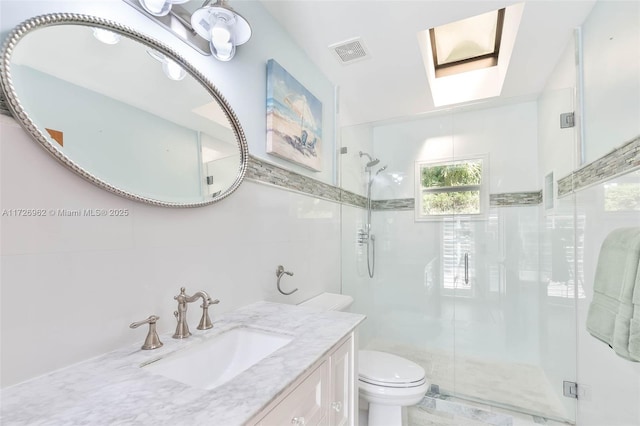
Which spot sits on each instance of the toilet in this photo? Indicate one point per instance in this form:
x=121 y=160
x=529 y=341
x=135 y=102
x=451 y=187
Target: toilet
x=386 y=382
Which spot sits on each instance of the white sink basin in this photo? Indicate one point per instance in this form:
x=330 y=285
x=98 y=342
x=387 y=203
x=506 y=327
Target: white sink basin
x=214 y=362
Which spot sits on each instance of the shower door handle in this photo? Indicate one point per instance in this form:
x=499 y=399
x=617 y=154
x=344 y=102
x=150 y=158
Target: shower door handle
x=466 y=268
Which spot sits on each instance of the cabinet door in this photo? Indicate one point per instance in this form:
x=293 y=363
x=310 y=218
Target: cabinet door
x=306 y=405
x=342 y=382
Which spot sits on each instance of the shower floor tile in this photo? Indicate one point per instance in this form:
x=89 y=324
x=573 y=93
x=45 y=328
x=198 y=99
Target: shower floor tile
x=464 y=413
x=420 y=417
x=521 y=386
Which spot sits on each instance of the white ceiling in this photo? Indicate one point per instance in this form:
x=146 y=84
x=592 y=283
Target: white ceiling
x=392 y=83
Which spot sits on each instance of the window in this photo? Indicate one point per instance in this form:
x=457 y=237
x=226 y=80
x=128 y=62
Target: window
x=451 y=188
x=623 y=194
x=468 y=44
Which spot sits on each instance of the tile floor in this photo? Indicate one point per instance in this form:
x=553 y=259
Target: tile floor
x=522 y=386
x=465 y=413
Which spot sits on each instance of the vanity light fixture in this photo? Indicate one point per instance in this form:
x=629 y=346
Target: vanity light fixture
x=215 y=28
x=225 y=29
x=106 y=36
x=159 y=7
x=170 y=67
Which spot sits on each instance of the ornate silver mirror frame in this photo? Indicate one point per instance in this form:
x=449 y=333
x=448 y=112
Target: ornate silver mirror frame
x=19 y=113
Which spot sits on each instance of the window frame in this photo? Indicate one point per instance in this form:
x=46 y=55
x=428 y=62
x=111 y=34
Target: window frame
x=471 y=63
x=482 y=188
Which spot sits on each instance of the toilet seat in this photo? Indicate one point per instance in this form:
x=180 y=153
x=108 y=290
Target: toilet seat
x=389 y=371
x=392 y=385
x=392 y=395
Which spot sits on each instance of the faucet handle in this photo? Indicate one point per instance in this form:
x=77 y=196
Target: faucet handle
x=205 y=321
x=209 y=302
x=152 y=341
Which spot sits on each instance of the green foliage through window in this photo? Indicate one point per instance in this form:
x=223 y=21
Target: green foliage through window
x=450 y=188
x=460 y=174
x=442 y=203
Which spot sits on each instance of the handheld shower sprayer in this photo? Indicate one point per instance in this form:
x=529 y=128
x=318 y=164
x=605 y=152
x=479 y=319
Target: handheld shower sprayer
x=372 y=161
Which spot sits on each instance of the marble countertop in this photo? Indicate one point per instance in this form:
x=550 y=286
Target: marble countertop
x=112 y=389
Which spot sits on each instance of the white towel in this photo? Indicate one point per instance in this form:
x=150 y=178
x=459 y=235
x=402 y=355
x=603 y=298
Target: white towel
x=634 y=326
x=612 y=308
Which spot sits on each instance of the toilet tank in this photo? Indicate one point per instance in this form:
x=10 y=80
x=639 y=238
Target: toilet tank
x=329 y=302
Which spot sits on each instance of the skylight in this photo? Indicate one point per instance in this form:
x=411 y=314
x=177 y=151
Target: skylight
x=468 y=60
x=468 y=44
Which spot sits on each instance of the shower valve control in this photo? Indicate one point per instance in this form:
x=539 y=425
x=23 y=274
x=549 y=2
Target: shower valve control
x=363 y=236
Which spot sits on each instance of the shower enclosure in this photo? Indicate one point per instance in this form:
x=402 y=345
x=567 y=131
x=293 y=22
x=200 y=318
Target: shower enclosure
x=484 y=301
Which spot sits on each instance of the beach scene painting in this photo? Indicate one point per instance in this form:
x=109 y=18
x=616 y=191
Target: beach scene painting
x=294 y=119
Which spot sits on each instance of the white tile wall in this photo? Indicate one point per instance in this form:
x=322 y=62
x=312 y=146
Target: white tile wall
x=611 y=83
x=611 y=383
x=557 y=148
x=355 y=139
x=507 y=133
x=404 y=302
x=355 y=278
x=72 y=285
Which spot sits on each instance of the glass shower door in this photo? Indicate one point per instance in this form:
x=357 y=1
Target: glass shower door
x=514 y=338
x=408 y=313
x=474 y=299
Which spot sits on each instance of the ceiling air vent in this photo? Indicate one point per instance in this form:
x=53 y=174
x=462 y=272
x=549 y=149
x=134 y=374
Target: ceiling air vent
x=350 y=51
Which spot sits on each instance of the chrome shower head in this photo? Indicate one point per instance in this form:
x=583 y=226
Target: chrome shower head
x=381 y=169
x=365 y=154
x=372 y=161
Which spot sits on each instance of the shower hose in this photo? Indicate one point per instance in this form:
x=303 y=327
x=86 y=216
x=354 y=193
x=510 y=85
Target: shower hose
x=371 y=260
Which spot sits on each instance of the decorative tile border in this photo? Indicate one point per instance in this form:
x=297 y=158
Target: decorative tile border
x=398 y=204
x=619 y=161
x=512 y=199
x=352 y=199
x=271 y=174
x=565 y=185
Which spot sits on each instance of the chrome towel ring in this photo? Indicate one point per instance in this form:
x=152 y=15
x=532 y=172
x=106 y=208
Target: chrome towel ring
x=279 y=273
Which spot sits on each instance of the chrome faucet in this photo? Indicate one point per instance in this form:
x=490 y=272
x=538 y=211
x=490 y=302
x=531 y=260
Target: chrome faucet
x=182 y=329
x=152 y=341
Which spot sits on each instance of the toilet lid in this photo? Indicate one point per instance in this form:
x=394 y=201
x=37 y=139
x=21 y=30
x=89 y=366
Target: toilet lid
x=382 y=368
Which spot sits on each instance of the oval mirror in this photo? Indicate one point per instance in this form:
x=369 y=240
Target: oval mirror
x=122 y=110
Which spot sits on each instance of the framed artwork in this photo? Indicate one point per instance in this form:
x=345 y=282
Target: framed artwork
x=294 y=119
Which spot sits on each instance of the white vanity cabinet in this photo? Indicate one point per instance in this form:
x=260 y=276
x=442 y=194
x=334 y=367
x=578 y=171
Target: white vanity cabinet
x=341 y=360
x=322 y=397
